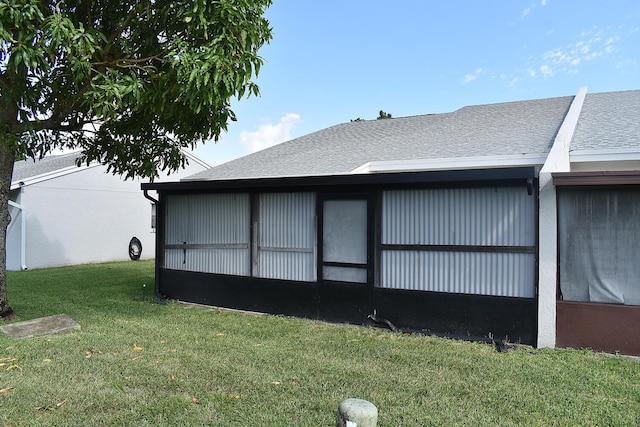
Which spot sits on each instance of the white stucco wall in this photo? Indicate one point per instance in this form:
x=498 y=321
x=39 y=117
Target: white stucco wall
x=558 y=160
x=85 y=216
x=547 y=261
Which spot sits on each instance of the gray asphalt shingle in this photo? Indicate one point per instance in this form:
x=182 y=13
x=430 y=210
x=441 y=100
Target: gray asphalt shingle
x=609 y=120
x=524 y=127
x=29 y=168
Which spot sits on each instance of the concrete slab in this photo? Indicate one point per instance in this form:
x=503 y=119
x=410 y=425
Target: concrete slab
x=42 y=326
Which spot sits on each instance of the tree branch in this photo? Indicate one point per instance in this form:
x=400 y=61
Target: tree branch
x=128 y=62
x=116 y=34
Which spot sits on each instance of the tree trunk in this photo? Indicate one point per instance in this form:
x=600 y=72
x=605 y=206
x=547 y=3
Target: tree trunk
x=7 y=158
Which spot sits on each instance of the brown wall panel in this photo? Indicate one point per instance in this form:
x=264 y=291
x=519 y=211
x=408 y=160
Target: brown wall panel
x=601 y=327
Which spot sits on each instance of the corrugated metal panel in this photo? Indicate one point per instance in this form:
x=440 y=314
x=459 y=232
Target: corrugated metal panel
x=475 y=216
x=286 y=236
x=208 y=219
x=287 y=265
x=460 y=217
x=219 y=261
x=483 y=273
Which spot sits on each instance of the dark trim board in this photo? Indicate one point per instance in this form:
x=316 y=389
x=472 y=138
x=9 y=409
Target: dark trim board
x=460 y=315
x=508 y=177
x=242 y=293
x=596 y=178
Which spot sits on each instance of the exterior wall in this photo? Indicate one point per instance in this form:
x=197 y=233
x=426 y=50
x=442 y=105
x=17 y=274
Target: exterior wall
x=83 y=217
x=284 y=247
x=477 y=241
x=558 y=160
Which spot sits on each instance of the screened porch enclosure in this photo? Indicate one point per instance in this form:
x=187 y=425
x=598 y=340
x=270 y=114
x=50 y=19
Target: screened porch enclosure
x=457 y=259
x=599 y=291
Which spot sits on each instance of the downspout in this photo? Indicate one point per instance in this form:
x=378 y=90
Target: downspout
x=23 y=235
x=147 y=196
x=159 y=238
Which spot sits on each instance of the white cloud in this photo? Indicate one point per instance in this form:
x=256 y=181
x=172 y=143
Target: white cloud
x=469 y=78
x=546 y=71
x=472 y=76
x=591 y=46
x=527 y=11
x=269 y=135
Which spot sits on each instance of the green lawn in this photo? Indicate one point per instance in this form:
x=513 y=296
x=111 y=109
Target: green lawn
x=139 y=363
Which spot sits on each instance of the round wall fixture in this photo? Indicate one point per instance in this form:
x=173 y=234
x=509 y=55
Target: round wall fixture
x=135 y=248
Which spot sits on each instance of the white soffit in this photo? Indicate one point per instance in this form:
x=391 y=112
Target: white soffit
x=451 y=163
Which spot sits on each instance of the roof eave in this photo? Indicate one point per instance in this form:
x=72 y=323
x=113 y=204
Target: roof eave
x=351 y=181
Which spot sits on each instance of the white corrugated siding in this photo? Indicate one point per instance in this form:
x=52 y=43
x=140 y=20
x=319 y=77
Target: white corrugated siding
x=473 y=216
x=219 y=223
x=459 y=217
x=209 y=260
x=286 y=236
x=484 y=273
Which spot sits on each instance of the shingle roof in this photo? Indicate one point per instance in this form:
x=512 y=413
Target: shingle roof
x=523 y=127
x=609 y=120
x=29 y=168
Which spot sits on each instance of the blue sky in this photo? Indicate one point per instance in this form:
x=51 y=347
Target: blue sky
x=336 y=60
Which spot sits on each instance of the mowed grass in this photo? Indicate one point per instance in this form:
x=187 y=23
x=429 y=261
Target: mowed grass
x=137 y=363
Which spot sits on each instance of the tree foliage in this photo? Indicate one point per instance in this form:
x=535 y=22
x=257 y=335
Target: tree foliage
x=129 y=82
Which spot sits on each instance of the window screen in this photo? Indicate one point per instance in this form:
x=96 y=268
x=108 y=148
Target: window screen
x=286 y=236
x=208 y=233
x=599 y=245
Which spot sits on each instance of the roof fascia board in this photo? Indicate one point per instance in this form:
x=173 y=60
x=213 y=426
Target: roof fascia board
x=350 y=180
x=51 y=175
x=450 y=163
x=596 y=178
x=192 y=157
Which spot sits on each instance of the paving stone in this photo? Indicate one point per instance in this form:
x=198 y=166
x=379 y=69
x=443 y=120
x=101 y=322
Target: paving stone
x=42 y=326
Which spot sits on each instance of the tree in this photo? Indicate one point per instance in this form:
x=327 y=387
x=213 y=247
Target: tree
x=383 y=115
x=129 y=82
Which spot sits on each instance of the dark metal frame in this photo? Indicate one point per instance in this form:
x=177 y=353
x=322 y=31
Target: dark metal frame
x=454 y=314
x=345 y=301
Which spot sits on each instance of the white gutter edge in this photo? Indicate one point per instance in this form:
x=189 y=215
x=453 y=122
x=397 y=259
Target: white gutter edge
x=23 y=235
x=196 y=159
x=51 y=175
x=605 y=155
x=450 y=163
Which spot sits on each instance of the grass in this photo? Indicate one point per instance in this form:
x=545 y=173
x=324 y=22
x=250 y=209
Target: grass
x=140 y=363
